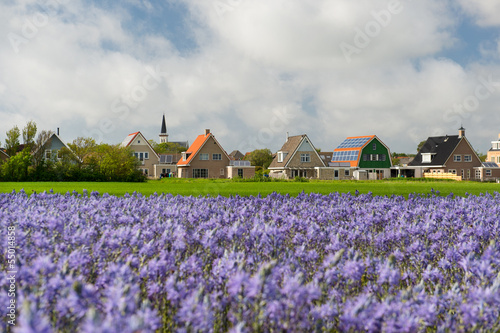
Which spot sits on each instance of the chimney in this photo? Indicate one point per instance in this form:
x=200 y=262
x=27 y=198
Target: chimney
x=207 y=131
x=461 y=132
x=58 y=131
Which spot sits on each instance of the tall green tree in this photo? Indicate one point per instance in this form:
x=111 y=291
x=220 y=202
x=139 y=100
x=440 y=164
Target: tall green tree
x=260 y=157
x=12 y=140
x=83 y=147
x=29 y=134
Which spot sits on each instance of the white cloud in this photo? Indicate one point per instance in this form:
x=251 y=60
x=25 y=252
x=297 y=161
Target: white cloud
x=485 y=12
x=261 y=69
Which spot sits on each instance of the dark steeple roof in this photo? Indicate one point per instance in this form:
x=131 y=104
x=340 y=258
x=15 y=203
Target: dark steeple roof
x=163 y=126
x=440 y=146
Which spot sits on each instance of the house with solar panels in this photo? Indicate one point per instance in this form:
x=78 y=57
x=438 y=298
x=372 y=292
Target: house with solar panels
x=360 y=157
x=296 y=158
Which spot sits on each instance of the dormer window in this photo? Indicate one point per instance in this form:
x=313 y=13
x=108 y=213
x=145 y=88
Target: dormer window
x=281 y=156
x=427 y=157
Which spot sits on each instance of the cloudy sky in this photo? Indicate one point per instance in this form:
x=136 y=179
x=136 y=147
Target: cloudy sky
x=253 y=70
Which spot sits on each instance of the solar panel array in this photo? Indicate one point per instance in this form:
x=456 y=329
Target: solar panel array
x=165 y=159
x=490 y=165
x=347 y=155
x=353 y=143
x=240 y=163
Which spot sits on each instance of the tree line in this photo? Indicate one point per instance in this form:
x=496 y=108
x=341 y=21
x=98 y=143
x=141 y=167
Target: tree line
x=84 y=161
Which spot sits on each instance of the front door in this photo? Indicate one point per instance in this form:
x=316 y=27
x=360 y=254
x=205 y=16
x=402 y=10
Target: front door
x=336 y=175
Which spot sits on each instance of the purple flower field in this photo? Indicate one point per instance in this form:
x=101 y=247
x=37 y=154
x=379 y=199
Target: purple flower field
x=314 y=263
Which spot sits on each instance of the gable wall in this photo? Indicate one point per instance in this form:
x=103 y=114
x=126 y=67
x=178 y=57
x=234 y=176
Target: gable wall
x=463 y=149
x=214 y=167
x=140 y=145
x=306 y=148
x=380 y=149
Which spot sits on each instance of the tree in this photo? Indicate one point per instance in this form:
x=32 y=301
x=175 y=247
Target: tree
x=420 y=145
x=115 y=163
x=167 y=147
x=83 y=147
x=260 y=157
x=42 y=141
x=12 y=141
x=29 y=134
x=16 y=168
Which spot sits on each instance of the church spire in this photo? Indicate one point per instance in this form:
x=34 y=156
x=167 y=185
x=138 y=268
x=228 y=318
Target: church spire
x=163 y=132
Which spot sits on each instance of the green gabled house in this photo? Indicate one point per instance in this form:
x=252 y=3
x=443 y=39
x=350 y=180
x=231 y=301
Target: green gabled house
x=366 y=157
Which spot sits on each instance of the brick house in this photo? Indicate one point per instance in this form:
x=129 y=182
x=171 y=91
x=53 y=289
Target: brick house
x=205 y=158
x=449 y=155
x=296 y=158
x=494 y=152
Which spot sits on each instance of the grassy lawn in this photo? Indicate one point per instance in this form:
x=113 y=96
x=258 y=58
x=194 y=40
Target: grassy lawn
x=227 y=187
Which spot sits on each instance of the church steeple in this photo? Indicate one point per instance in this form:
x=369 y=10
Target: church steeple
x=163 y=132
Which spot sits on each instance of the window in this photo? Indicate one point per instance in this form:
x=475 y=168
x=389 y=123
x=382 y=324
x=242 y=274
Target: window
x=457 y=158
x=48 y=154
x=204 y=157
x=217 y=157
x=478 y=174
x=365 y=157
x=487 y=172
x=146 y=156
x=467 y=158
x=381 y=157
x=59 y=154
x=281 y=156
x=222 y=171
x=347 y=173
x=453 y=171
x=200 y=173
x=373 y=157
x=493 y=158
x=374 y=146
x=426 y=157
x=240 y=173
x=145 y=171
x=468 y=173
x=305 y=158
x=138 y=141
x=462 y=173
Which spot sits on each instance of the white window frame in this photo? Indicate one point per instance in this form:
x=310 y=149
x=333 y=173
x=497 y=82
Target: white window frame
x=373 y=157
x=468 y=173
x=347 y=172
x=146 y=156
x=280 y=157
x=305 y=158
x=453 y=171
x=217 y=157
x=457 y=158
x=487 y=172
x=222 y=172
x=478 y=174
x=203 y=155
x=48 y=154
x=468 y=158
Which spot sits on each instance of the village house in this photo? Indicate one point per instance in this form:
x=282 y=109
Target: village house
x=296 y=158
x=206 y=158
x=359 y=157
x=493 y=154
x=449 y=156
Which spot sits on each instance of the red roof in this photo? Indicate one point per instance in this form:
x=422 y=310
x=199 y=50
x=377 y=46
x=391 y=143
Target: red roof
x=194 y=148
